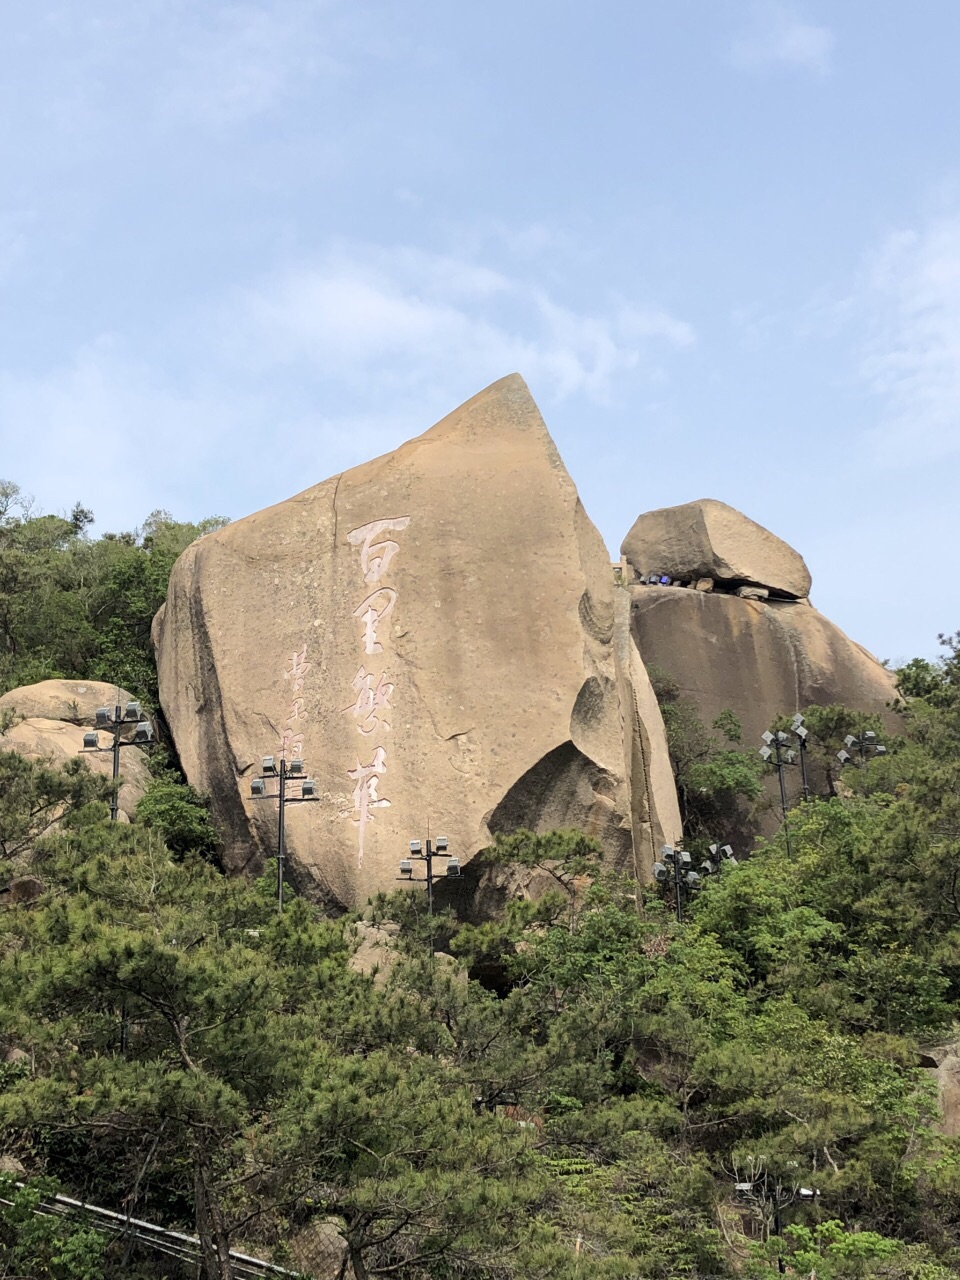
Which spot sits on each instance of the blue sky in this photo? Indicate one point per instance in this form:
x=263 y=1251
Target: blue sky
x=246 y=245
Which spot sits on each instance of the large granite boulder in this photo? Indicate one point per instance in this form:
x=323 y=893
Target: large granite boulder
x=433 y=634
x=49 y=720
x=757 y=658
x=709 y=540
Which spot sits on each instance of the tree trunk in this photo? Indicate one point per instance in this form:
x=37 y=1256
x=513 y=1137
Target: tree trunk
x=211 y=1227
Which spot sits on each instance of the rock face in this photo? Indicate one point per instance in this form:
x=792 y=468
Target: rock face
x=757 y=658
x=433 y=634
x=944 y=1069
x=708 y=539
x=56 y=714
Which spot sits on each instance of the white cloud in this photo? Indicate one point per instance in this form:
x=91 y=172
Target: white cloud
x=779 y=37
x=912 y=296
x=414 y=318
x=314 y=369
x=242 y=59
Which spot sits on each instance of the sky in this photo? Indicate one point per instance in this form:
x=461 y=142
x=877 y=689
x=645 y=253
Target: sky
x=244 y=246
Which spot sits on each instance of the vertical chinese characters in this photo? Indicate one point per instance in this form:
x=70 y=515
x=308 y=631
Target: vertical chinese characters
x=291 y=738
x=372 y=688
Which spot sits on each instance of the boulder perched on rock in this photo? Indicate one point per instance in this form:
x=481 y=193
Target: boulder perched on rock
x=432 y=633
x=49 y=720
x=708 y=539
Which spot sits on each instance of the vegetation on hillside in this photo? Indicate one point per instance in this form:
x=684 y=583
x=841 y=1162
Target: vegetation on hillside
x=631 y=1097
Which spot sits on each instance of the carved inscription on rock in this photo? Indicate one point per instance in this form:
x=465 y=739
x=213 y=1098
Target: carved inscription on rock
x=372 y=688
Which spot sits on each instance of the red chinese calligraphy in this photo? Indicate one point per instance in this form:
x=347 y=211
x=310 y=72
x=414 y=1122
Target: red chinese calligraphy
x=377 y=606
x=371 y=700
x=375 y=557
x=298 y=669
x=365 y=794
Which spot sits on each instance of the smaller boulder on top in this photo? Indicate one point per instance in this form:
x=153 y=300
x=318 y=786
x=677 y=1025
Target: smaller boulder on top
x=708 y=539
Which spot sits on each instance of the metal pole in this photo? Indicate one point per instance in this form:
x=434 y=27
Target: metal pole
x=783 y=797
x=115 y=799
x=676 y=884
x=280 y=833
x=803 y=769
x=429 y=858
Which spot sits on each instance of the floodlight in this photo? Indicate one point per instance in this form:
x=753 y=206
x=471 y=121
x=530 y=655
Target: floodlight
x=664 y=581
x=90 y=742
x=880 y=750
x=143 y=732
x=653 y=579
x=767 y=737
x=727 y=850
x=801 y=732
x=133 y=711
x=660 y=872
x=707 y=867
x=790 y=756
x=766 y=753
x=869 y=735
x=843 y=756
x=714 y=848
x=797 y=720
x=415 y=846
x=849 y=740
x=406 y=867
x=441 y=844
x=308 y=789
x=782 y=737
x=683 y=858
x=693 y=878
x=743 y=1188
x=104 y=717
x=268 y=764
x=295 y=767
x=808 y=1193
x=258 y=787
x=453 y=867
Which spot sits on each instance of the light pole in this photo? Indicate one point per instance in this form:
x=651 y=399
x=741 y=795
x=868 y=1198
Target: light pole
x=678 y=865
x=801 y=733
x=426 y=852
x=775 y=752
x=866 y=746
x=115 y=720
x=287 y=771
x=766 y=1189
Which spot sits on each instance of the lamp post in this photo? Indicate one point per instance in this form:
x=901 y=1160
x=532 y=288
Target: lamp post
x=287 y=771
x=777 y=753
x=678 y=865
x=801 y=733
x=767 y=1189
x=425 y=852
x=114 y=720
x=866 y=746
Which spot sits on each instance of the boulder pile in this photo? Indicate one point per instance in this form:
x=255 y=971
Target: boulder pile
x=438 y=640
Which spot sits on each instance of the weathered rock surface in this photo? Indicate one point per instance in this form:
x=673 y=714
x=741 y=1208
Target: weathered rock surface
x=946 y=1075
x=434 y=633
x=73 y=701
x=757 y=658
x=56 y=714
x=708 y=539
